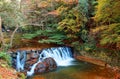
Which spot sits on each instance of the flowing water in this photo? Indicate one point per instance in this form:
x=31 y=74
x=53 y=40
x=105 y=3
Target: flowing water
x=61 y=55
x=21 y=57
x=81 y=70
x=68 y=67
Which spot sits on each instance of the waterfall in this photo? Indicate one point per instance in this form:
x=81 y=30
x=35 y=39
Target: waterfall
x=61 y=55
x=31 y=72
x=20 y=60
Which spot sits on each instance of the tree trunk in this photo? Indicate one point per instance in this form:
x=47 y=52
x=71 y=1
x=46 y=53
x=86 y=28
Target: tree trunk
x=17 y=26
x=12 y=36
x=1 y=35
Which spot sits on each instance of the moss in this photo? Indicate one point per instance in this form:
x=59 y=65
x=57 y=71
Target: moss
x=21 y=76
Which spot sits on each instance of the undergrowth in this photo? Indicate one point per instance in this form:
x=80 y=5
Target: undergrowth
x=6 y=57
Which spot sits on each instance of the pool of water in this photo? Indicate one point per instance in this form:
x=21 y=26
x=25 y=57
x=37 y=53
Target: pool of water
x=80 y=70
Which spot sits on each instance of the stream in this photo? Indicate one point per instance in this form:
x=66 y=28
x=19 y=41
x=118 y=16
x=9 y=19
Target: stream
x=57 y=63
x=80 y=70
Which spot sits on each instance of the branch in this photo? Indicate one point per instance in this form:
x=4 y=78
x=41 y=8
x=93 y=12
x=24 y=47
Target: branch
x=3 y=10
x=12 y=36
x=34 y=24
x=1 y=34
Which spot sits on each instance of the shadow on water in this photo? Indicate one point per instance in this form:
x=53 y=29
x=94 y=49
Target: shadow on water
x=81 y=70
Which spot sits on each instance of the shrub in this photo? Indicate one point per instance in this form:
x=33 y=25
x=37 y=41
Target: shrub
x=6 y=57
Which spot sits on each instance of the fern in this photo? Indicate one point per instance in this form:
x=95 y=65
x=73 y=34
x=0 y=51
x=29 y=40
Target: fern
x=29 y=36
x=54 y=36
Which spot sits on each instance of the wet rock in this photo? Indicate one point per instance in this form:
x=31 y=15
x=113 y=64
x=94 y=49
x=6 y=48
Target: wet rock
x=34 y=55
x=13 y=55
x=13 y=63
x=21 y=75
x=40 y=68
x=28 y=57
x=48 y=64
x=30 y=62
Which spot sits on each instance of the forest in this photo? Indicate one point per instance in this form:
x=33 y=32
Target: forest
x=90 y=27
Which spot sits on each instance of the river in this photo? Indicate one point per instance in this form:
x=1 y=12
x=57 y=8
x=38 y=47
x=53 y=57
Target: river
x=80 y=70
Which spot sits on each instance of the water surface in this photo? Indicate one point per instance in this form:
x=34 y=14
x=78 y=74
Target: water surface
x=82 y=70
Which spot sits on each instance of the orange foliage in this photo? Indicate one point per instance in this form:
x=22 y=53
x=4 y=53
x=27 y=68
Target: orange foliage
x=7 y=73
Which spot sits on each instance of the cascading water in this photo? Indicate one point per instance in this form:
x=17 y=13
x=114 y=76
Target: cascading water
x=21 y=58
x=61 y=55
x=31 y=72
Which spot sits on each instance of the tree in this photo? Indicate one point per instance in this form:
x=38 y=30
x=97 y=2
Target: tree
x=107 y=12
x=1 y=34
x=70 y=20
x=72 y=23
x=107 y=18
x=111 y=35
x=11 y=16
x=84 y=6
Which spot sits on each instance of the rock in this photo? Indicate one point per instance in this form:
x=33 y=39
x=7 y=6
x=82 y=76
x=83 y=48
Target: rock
x=40 y=68
x=30 y=62
x=28 y=57
x=34 y=55
x=21 y=75
x=13 y=62
x=93 y=61
x=13 y=55
x=48 y=64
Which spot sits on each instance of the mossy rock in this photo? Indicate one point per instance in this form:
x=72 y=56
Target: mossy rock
x=21 y=75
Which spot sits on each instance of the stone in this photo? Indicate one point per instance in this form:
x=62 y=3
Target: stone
x=51 y=64
x=47 y=65
x=30 y=62
x=40 y=68
x=34 y=55
x=13 y=55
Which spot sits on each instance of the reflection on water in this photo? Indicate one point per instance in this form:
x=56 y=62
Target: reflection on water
x=82 y=70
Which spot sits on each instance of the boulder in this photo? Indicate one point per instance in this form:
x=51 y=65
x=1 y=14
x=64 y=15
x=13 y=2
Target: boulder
x=40 y=68
x=48 y=64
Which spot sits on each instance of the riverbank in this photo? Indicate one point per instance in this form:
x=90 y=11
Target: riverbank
x=7 y=72
x=114 y=70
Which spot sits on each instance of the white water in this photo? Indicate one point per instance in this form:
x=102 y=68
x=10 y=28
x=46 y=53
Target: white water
x=62 y=56
x=20 y=61
x=31 y=72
